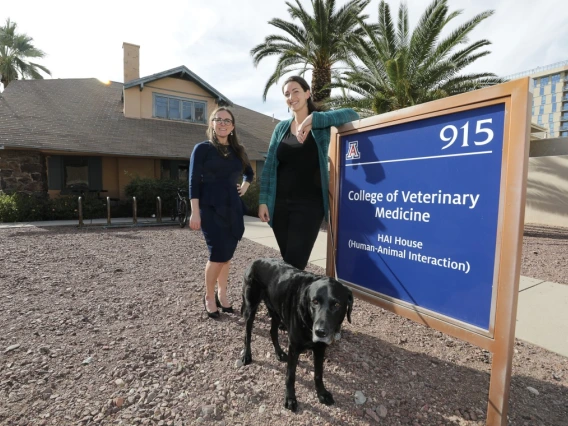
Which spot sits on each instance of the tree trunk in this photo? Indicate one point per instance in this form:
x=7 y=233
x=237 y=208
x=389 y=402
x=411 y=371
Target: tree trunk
x=321 y=77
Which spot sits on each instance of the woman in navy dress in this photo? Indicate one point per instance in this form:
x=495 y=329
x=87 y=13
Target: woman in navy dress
x=215 y=172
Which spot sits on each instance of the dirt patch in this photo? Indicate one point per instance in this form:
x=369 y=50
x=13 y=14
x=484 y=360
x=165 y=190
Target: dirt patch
x=107 y=327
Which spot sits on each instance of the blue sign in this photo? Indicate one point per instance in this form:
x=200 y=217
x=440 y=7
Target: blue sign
x=418 y=211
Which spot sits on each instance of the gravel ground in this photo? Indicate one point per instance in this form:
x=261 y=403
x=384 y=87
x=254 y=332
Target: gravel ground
x=107 y=327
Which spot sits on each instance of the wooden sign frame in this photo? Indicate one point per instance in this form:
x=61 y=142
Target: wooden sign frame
x=517 y=96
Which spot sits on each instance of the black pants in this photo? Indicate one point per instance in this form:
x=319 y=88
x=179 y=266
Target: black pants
x=296 y=224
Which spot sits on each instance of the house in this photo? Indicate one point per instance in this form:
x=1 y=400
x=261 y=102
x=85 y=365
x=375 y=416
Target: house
x=63 y=136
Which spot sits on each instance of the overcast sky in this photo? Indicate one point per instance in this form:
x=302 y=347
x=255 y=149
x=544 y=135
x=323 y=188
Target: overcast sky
x=213 y=38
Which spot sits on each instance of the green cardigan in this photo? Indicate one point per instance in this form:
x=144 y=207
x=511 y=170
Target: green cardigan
x=321 y=124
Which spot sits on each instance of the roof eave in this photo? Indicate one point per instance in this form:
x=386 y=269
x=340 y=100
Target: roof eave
x=185 y=73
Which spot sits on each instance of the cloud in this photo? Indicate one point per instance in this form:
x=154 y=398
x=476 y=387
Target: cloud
x=214 y=39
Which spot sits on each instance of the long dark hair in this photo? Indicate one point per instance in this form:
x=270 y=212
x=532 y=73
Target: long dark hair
x=305 y=87
x=232 y=138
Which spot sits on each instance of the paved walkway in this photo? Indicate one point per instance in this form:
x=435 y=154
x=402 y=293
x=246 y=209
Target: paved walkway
x=542 y=313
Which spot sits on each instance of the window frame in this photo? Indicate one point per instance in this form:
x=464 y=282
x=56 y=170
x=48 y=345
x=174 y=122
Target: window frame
x=182 y=101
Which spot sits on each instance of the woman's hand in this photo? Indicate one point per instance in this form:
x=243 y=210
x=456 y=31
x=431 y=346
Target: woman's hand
x=195 y=220
x=263 y=213
x=303 y=130
x=242 y=189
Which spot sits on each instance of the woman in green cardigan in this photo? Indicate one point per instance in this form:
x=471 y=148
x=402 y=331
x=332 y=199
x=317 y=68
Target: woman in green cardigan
x=295 y=179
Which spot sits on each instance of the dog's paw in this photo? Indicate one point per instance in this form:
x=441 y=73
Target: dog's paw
x=326 y=398
x=282 y=357
x=291 y=404
x=246 y=359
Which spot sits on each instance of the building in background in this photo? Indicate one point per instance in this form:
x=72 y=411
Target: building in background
x=550 y=97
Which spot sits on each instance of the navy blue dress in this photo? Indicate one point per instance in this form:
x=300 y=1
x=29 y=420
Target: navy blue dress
x=213 y=179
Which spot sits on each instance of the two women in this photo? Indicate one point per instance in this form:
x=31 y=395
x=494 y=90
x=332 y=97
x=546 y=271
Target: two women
x=216 y=168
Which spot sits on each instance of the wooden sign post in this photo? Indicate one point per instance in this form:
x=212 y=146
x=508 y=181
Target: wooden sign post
x=427 y=214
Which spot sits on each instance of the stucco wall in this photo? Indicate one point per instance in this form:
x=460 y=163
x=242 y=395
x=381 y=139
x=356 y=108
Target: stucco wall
x=139 y=104
x=547 y=191
x=22 y=171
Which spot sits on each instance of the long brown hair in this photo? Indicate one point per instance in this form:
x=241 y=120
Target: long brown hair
x=232 y=138
x=305 y=87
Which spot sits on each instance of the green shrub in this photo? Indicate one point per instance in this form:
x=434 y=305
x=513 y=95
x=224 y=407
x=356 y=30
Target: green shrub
x=146 y=190
x=251 y=199
x=31 y=208
x=8 y=208
x=63 y=208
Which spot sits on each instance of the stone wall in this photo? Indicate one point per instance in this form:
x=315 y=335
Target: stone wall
x=23 y=171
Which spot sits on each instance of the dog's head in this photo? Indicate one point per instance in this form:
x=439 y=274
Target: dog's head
x=326 y=302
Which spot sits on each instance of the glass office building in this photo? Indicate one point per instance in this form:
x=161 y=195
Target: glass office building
x=550 y=97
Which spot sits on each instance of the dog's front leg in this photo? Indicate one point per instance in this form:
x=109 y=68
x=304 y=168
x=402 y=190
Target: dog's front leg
x=274 y=335
x=290 y=398
x=323 y=395
x=249 y=315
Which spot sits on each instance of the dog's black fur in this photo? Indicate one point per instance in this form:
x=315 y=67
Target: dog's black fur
x=312 y=308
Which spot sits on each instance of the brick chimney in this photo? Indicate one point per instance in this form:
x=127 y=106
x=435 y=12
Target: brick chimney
x=131 y=61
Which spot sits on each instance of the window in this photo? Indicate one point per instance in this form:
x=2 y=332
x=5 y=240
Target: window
x=539 y=121
x=541 y=110
x=176 y=170
x=534 y=82
x=75 y=173
x=72 y=174
x=541 y=92
x=563 y=134
x=556 y=78
x=544 y=81
x=550 y=118
x=543 y=100
x=553 y=88
x=554 y=107
x=175 y=108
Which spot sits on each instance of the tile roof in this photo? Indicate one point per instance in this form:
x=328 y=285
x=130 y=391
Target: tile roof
x=85 y=116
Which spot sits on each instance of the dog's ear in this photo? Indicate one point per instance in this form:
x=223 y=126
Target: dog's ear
x=304 y=305
x=349 y=304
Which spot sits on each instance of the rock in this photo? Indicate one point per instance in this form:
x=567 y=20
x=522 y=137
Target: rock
x=208 y=411
x=11 y=348
x=87 y=361
x=533 y=390
x=373 y=415
x=360 y=398
x=261 y=409
x=151 y=396
x=120 y=383
x=239 y=363
x=382 y=411
x=119 y=402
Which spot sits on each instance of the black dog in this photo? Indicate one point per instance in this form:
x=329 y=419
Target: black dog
x=311 y=307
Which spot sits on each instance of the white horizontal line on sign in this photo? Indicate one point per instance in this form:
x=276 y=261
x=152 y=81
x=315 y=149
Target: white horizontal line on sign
x=420 y=158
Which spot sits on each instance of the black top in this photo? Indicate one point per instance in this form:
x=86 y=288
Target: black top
x=299 y=175
x=213 y=180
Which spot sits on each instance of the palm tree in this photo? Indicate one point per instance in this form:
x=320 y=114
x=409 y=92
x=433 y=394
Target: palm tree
x=317 y=43
x=15 y=49
x=396 y=69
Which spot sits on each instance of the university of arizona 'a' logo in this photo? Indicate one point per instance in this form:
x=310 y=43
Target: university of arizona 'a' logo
x=353 y=151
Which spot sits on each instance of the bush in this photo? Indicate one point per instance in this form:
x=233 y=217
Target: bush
x=20 y=207
x=251 y=199
x=8 y=208
x=146 y=190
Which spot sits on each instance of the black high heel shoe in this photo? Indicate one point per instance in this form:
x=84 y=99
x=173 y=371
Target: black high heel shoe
x=228 y=310
x=213 y=315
